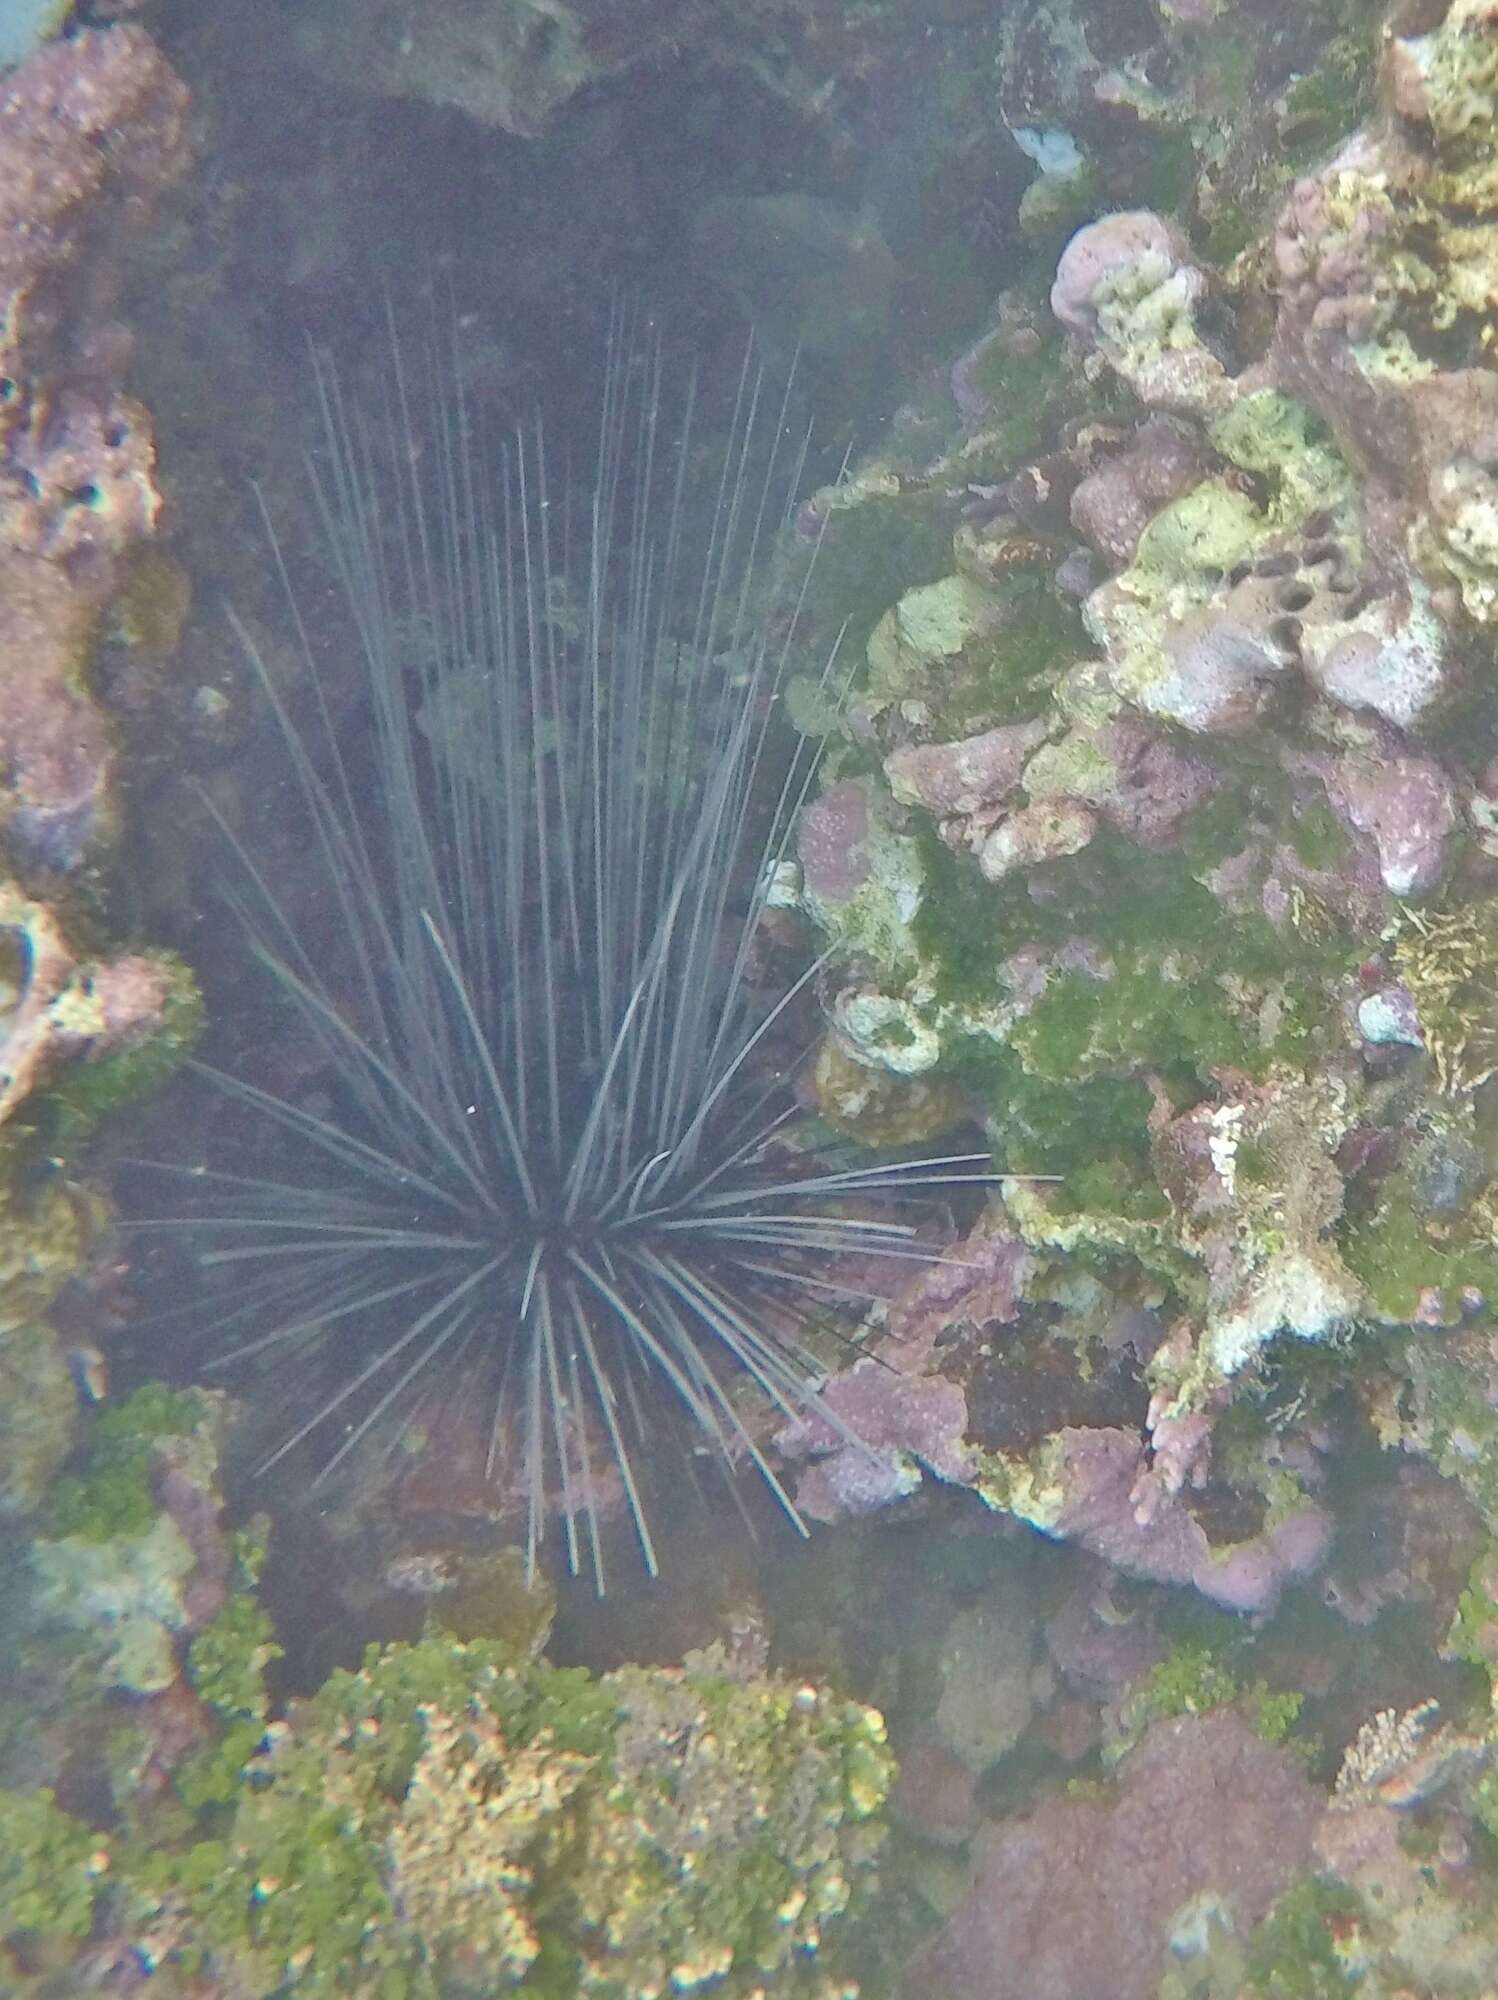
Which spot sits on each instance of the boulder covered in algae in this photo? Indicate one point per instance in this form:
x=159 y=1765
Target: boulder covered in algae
x=456 y=1819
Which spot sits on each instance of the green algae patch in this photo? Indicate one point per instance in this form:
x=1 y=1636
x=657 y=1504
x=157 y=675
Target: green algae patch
x=1193 y=1680
x=114 y=1495
x=883 y=530
x=975 y=651
x=1082 y=1026
x=1397 y=1256
x=1013 y=675
x=52 y=1867
x=1450 y=1417
x=1018 y=388
x=1293 y=1955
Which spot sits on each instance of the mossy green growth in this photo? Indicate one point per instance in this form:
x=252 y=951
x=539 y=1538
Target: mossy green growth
x=1192 y=1680
x=1292 y=1954
x=455 y=1818
x=1168 y=176
x=1018 y=387
x=1189 y=1681
x=1474 y=1629
x=1083 y=1027
x=83 y=1093
x=1290 y=448
x=1395 y=1256
x=1456 y=1423
x=1011 y=677
x=1185 y=970
x=890 y=540
x=1093 y=1132
x=227 y=1660
x=51 y=1868
x=1326 y=104
x=113 y=1495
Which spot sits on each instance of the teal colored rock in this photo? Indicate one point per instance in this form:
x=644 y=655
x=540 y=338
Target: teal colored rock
x=24 y=24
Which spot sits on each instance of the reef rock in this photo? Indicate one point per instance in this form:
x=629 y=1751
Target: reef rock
x=1084 y=1898
x=91 y=130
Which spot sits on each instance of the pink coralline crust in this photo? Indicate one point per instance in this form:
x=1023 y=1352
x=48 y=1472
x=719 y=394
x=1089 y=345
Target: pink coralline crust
x=1403 y=801
x=1100 y=1472
x=132 y=995
x=830 y=842
x=902 y=1416
x=872 y=1422
x=55 y=756
x=1325 y=262
x=1220 y=667
x=1097 y=1651
x=979 y=771
x=1325 y=257
x=198 y=1514
x=1337 y=287
x=1159 y=786
x=1102 y=252
x=935 y=1795
x=1180 y=1457
x=1027 y=973
x=79 y=477
x=980 y=1282
x=1113 y=505
x=1075 y=1902
x=1383 y=671
x=90 y=128
x=1047 y=829
x=1268 y=877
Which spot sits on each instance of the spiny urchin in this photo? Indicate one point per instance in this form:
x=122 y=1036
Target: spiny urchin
x=553 y=1175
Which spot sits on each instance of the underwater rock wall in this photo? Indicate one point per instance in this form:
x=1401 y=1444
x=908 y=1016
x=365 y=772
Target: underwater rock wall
x=1160 y=821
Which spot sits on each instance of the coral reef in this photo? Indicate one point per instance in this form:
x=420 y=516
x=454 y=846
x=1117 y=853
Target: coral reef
x=92 y=131
x=132 y=1558
x=78 y=1038
x=1157 y=837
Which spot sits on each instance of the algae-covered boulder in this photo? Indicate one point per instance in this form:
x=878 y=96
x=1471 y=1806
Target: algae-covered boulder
x=456 y=1819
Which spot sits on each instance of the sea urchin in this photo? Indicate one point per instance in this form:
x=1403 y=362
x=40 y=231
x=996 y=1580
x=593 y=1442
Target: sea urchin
x=550 y=1180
